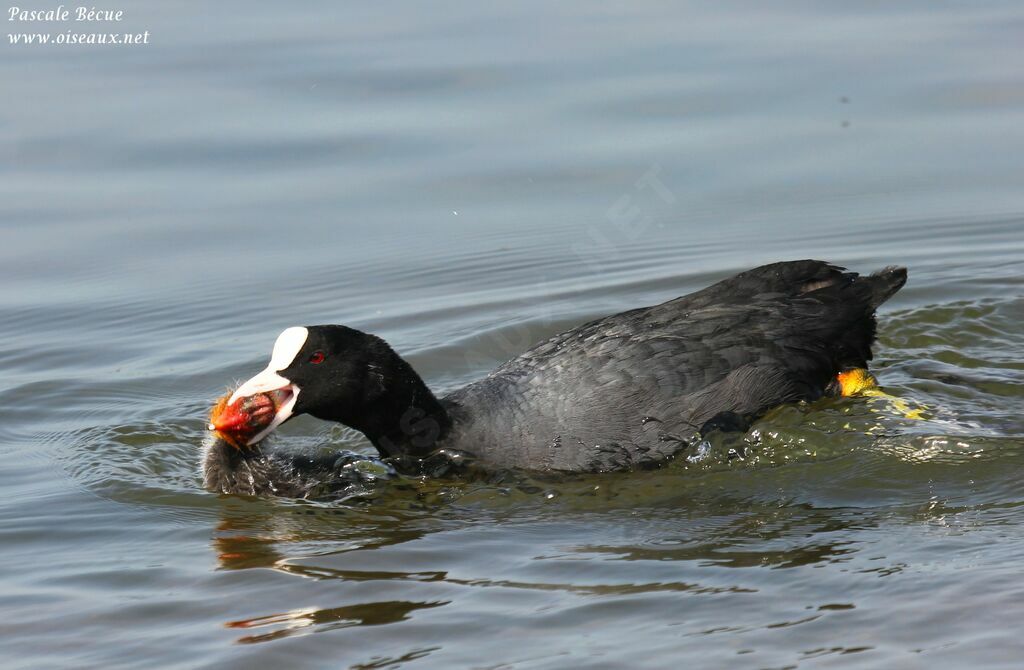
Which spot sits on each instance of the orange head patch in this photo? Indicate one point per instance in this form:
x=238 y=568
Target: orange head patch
x=240 y=421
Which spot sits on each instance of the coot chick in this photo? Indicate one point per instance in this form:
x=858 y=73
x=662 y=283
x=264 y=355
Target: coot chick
x=626 y=391
x=229 y=467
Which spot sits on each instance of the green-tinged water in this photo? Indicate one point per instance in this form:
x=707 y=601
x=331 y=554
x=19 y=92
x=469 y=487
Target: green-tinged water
x=464 y=181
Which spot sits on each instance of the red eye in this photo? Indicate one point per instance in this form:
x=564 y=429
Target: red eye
x=317 y=358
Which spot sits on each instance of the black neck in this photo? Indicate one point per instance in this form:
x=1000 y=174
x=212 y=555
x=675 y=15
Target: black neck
x=404 y=418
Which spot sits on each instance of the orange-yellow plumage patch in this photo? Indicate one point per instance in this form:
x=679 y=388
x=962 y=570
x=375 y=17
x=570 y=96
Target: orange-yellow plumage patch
x=240 y=421
x=856 y=381
x=860 y=382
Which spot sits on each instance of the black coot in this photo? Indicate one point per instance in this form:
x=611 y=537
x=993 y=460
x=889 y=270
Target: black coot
x=626 y=391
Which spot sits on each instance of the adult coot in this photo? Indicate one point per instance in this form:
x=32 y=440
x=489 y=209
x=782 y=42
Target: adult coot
x=625 y=391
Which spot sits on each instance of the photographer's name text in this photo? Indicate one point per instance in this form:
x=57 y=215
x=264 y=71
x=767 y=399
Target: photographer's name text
x=64 y=14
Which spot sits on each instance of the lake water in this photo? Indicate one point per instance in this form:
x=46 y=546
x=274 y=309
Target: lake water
x=464 y=180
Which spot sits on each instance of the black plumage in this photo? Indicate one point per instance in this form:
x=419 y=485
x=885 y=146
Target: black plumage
x=626 y=391
x=632 y=389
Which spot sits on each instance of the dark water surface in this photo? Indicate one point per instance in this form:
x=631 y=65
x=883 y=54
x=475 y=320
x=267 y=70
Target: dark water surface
x=465 y=180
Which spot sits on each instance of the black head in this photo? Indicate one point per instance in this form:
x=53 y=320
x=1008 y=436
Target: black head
x=340 y=374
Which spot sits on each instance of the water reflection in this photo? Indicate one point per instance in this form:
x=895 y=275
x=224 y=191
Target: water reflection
x=809 y=537
x=290 y=544
x=322 y=620
x=256 y=539
x=346 y=545
x=702 y=547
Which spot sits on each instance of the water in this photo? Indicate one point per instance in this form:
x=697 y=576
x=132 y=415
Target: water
x=465 y=180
